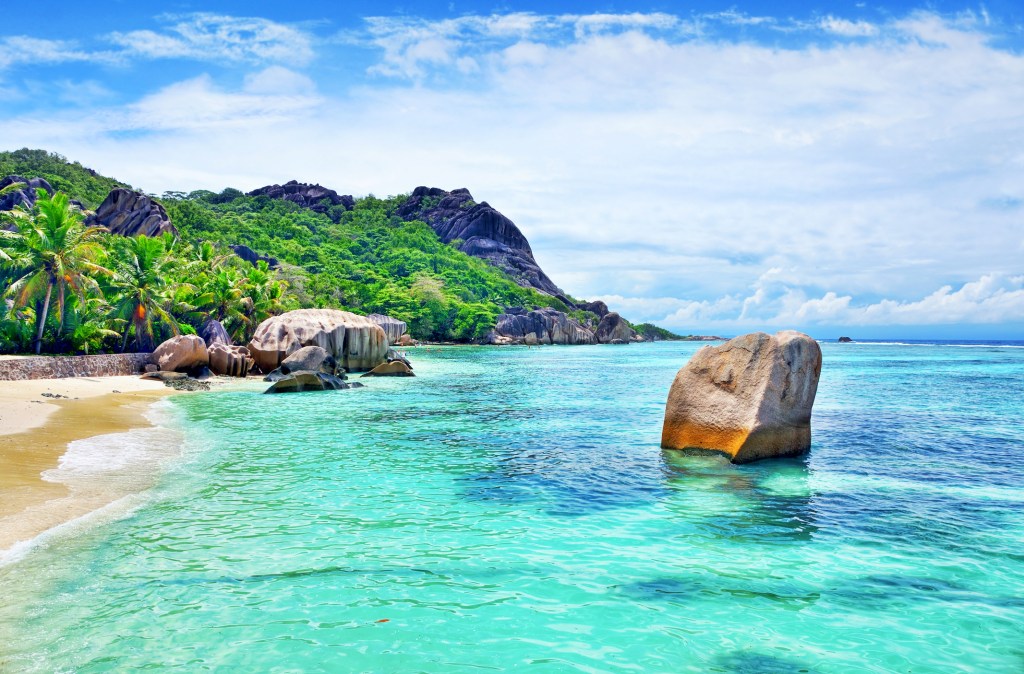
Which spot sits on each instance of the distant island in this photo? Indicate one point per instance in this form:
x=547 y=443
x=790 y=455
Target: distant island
x=137 y=269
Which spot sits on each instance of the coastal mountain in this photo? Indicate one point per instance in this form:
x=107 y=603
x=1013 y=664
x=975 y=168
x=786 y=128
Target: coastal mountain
x=479 y=230
x=450 y=268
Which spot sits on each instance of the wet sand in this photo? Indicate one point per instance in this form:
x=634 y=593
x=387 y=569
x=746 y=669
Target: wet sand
x=34 y=434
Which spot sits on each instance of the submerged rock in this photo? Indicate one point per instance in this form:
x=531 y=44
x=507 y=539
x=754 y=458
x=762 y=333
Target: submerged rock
x=395 y=368
x=749 y=398
x=355 y=342
x=297 y=382
x=188 y=384
x=181 y=353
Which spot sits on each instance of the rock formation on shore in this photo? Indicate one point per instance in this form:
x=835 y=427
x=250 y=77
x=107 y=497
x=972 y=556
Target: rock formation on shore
x=749 y=398
x=130 y=213
x=613 y=329
x=181 y=353
x=393 y=327
x=540 y=326
x=230 y=361
x=314 y=197
x=483 y=231
x=355 y=342
x=213 y=332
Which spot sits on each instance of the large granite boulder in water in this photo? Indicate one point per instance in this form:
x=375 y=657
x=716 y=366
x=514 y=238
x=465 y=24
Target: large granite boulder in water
x=613 y=329
x=229 y=361
x=482 y=230
x=541 y=326
x=749 y=398
x=355 y=342
x=130 y=213
x=393 y=327
x=298 y=382
x=181 y=353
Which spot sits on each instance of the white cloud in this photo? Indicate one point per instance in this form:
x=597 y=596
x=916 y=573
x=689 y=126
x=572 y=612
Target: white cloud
x=992 y=299
x=18 y=49
x=848 y=28
x=207 y=36
x=717 y=180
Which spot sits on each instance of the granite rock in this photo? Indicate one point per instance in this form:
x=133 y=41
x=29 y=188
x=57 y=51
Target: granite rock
x=749 y=398
x=355 y=342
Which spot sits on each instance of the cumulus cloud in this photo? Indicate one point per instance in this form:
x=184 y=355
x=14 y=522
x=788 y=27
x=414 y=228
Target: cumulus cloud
x=992 y=299
x=730 y=181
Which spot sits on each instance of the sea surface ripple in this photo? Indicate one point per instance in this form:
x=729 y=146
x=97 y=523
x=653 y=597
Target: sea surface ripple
x=511 y=508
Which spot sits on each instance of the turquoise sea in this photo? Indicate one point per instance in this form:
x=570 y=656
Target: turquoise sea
x=510 y=509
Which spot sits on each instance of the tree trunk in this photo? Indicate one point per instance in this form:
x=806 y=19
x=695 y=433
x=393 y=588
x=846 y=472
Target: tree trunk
x=42 y=319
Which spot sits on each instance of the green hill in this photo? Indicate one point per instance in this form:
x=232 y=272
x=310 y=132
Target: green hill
x=75 y=180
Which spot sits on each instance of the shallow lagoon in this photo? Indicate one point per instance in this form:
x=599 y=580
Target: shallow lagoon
x=510 y=509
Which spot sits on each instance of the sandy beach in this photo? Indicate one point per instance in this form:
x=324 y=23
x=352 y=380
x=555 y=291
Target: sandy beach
x=35 y=431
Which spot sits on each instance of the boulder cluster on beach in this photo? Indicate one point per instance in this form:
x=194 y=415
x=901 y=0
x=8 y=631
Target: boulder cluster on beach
x=301 y=350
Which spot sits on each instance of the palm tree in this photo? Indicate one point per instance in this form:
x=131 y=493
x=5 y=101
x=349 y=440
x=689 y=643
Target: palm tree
x=53 y=249
x=263 y=294
x=141 y=287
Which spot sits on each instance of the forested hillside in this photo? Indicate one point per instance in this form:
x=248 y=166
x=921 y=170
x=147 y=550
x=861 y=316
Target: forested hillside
x=74 y=288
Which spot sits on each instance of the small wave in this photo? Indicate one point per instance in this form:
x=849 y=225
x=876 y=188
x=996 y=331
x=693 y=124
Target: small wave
x=106 y=476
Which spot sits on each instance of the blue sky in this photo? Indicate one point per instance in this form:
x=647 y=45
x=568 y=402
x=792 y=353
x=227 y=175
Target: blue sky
x=842 y=168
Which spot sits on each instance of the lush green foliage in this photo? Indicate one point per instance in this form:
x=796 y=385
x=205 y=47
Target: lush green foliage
x=366 y=260
x=84 y=290
x=653 y=332
x=73 y=179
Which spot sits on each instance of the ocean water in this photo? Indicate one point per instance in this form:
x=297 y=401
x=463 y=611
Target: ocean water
x=510 y=509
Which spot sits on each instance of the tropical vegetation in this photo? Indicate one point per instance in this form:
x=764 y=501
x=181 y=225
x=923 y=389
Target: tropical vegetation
x=72 y=288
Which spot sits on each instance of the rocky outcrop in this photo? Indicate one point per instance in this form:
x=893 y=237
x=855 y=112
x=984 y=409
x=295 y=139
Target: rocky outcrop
x=482 y=230
x=298 y=382
x=393 y=327
x=355 y=342
x=130 y=213
x=313 y=197
x=181 y=353
x=596 y=307
x=749 y=398
x=541 y=326
x=310 y=358
x=394 y=368
x=406 y=340
x=845 y=340
x=61 y=367
x=614 y=330
x=24 y=196
x=213 y=332
x=229 y=361
x=252 y=257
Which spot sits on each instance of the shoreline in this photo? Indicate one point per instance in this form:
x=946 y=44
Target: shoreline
x=50 y=474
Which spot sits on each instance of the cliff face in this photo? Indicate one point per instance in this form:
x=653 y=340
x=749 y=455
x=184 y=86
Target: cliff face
x=485 y=233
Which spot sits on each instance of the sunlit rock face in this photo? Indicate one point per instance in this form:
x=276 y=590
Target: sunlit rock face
x=749 y=398
x=355 y=342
